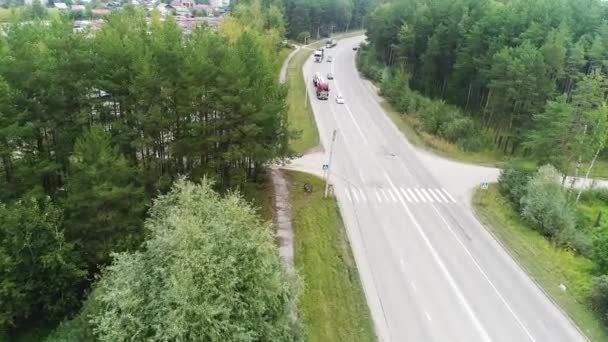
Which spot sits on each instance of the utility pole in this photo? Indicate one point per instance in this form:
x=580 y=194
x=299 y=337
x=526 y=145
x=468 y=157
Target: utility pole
x=306 y=93
x=331 y=153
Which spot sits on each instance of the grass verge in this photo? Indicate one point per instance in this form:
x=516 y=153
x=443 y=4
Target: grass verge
x=546 y=263
x=301 y=118
x=332 y=304
x=407 y=125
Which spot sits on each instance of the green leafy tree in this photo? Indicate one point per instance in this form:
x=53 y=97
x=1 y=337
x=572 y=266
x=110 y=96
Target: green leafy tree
x=105 y=201
x=35 y=11
x=600 y=250
x=544 y=205
x=599 y=296
x=40 y=272
x=209 y=272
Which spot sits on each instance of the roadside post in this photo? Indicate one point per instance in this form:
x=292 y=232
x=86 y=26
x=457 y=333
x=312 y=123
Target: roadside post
x=331 y=153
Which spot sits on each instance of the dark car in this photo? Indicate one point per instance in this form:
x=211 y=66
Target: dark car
x=355 y=47
x=330 y=76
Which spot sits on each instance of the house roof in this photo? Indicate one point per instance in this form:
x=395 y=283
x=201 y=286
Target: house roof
x=61 y=5
x=101 y=11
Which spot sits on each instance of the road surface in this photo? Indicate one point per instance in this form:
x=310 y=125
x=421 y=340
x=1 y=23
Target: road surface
x=430 y=270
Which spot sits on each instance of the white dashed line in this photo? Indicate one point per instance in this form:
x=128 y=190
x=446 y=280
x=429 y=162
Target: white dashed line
x=427 y=195
x=448 y=194
x=406 y=195
x=435 y=195
x=413 y=195
x=420 y=195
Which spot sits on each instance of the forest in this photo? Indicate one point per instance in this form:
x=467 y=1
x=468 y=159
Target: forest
x=94 y=126
x=529 y=75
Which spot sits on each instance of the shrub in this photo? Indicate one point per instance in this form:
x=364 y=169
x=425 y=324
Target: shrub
x=599 y=296
x=432 y=115
x=457 y=127
x=600 y=249
x=512 y=184
x=576 y=240
x=544 y=204
x=472 y=143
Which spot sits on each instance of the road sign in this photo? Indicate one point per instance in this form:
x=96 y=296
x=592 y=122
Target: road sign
x=484 y=185
x=325 y=167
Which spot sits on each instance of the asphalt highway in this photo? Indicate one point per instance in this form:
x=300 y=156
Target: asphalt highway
x=430 y=270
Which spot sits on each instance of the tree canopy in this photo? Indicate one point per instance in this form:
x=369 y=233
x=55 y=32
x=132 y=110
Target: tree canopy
x=514 y=66
x=210 y=271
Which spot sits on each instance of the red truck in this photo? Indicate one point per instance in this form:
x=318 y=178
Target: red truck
x=321 y=86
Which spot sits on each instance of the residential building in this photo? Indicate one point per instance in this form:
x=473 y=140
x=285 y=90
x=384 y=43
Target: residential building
x=62 y=6
x=183 y=3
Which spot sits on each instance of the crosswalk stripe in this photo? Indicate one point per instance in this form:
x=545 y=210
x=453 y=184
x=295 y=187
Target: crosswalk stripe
x=435 y=195
x=378 y=196
x=442 y=196
x=427 y=195
x=362 y=194
x=392 y=196
x=405 y=195
x=420 y=195
x=384 y=194
x=448 y=194
x=348 y=195
x=413 y=195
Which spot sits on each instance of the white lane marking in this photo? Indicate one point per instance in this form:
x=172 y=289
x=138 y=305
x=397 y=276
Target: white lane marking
x=355 y=195
x=443 y=268
x=405 y=195
x=384 y=194
x=392 y=196
x=420 y=195
x=442 y=196
x=448 y=194
x=413 y=286
x=352 y=117
x=348 y=195
x=413 y=195
x=484 y=274
x=378 y=196
x=428 y=317
x=435 y=195
x=362 y=194
x=427 y=195
x=362 y=178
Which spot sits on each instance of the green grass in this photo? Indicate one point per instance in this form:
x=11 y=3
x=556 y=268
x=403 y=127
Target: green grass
x=332 y=306
x=548 y=264
x=300 y=116
x=6 y=14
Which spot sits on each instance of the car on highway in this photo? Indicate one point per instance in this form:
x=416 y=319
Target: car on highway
x=329 y=59
x=355 y=47
x=339 y=99
x=330 y=76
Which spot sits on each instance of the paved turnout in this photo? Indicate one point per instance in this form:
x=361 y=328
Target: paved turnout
x=430 y=271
